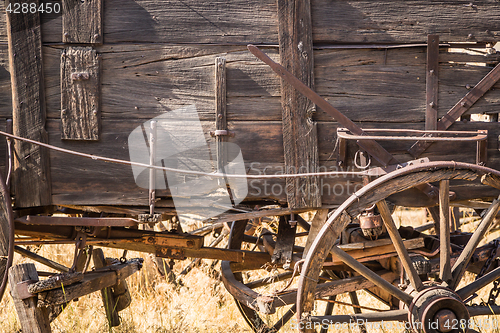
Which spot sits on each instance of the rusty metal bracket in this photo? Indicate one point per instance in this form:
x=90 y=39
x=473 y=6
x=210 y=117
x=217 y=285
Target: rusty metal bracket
x=171 y=253
x=149 y=218
x=22 y=289
x=217 y=133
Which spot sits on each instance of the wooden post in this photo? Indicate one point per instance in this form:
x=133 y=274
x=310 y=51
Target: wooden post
x=31 y=162
x=33 y=319
x=220 y=113
x=432 y=82
x=299 y=131
x=106 y=293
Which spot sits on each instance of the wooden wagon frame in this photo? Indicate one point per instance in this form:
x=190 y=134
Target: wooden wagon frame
x=78 y=80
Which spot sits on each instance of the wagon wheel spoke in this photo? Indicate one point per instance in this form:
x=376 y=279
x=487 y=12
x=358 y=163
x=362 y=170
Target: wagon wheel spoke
x=370 y=275
x=482 y=282
x=463 y=260
x=415 y=280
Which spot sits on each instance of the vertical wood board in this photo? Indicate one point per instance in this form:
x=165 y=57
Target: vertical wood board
x=82 y=21
x=432 y=83
x=299 y=131
x=80 y=94
x=31 y=166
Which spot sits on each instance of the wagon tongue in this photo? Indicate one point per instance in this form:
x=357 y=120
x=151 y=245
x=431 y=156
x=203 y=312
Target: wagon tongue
x=370 y=146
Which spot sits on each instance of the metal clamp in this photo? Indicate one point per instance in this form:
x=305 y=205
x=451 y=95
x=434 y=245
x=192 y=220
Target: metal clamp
x=215 y=133
x=479 y=135
x=22 y=289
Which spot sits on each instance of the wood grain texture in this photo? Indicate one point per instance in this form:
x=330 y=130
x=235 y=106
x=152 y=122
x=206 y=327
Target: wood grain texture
x=32 y=318
x=220 y=111
x=80 y=94
x=31 y=167
x=255 y=21
x=84 y=181
x=300 y=140
x=82 y=21
x=365 y=85
x=432 y=82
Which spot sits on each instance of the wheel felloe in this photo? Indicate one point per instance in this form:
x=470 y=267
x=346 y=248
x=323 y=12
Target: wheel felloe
x=438 y=310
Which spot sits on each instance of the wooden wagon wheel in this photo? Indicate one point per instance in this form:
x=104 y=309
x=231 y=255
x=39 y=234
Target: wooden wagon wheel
x=422 y=302
x=6 y=234
x=254 y=290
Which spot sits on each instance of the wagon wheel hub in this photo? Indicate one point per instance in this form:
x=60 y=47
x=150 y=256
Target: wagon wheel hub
x=437 y=310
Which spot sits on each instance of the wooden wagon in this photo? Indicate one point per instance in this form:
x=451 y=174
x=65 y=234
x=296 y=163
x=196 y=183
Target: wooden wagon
x=376 y=104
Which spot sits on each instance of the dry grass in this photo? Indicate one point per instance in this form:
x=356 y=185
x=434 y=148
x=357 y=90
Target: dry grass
x=199 y=304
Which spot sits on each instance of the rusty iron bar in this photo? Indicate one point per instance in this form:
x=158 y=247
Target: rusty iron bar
x=79 y=221
x=480 y=135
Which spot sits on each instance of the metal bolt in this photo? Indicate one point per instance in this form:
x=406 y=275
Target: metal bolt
x=431 y=72
x=151 y=239
x=470 y=36
x=432 y=104
x=190 y=243
x=64 y=111
x=66 y=34
x=463 y=104
x=96 y=36
x=94 y=112
x=467 y=86
x=220 y=116
x=137 y=108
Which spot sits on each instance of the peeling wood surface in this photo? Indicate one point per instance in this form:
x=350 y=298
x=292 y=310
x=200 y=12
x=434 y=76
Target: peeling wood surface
x=31 y=176
x=80 y=94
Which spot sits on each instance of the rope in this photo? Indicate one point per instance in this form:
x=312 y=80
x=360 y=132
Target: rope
x=188 y=172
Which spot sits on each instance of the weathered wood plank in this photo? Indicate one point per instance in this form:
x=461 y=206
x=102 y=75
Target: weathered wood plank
x=84 y=181
x=220 y=112
x=432 y=82
x=80 y=94
x=366 y=85
x=392 y=21
x=32 y=318
x=255 y=21
x=82 y=21
x=31 y=175
x=300 y=140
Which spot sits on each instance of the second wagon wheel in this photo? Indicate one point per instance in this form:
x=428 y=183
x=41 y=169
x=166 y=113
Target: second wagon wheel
x=265 y=293
x=430 y=301
x=6 y=234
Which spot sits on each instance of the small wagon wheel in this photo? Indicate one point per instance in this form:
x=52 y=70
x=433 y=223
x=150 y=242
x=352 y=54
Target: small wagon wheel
x=255 y=291
x=6 y=234
x=422 y=302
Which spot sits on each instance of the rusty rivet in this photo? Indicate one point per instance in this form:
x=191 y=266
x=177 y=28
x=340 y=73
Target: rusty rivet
x=220 y=116
x=151 y=239
x=190 y=243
